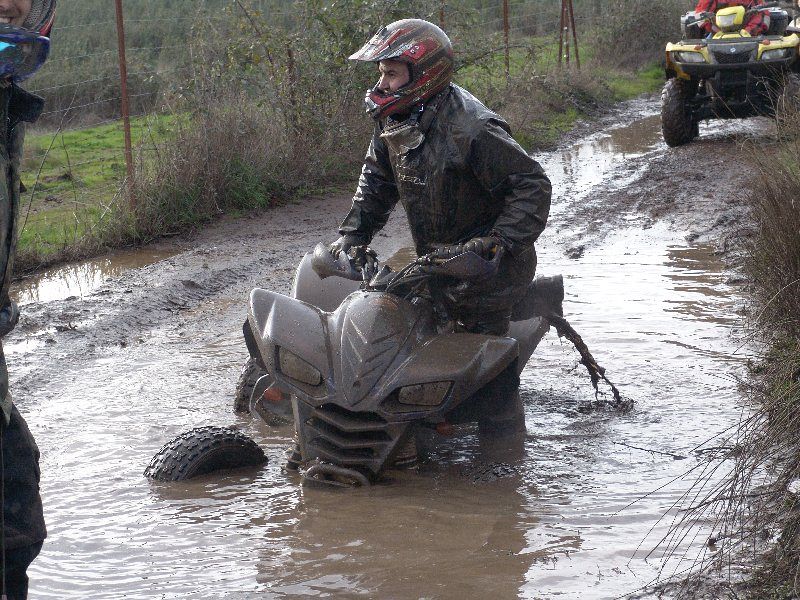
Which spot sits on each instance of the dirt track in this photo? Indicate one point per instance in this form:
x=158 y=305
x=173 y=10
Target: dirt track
x=106 y=376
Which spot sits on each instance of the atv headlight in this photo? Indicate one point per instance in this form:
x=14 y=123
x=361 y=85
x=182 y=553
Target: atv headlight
x=690 y=57
x=425 y=394
x=776 y=54
x=296 y=368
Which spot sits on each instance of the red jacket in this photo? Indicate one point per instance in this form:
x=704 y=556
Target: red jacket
x=755 y=24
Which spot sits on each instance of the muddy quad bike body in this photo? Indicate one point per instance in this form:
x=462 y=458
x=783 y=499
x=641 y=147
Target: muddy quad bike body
x=729 y=75
x=368 y=365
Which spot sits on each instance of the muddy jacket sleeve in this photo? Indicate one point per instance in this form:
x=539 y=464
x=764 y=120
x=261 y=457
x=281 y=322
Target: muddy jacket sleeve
x=706 y=6
x=376 y=195
x=512 y=177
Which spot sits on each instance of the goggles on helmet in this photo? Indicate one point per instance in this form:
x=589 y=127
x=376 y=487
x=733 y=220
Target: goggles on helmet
x=22 y=52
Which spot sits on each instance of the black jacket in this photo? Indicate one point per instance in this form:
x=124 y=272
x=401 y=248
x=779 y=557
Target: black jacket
x=458 y=173
x=22 y=508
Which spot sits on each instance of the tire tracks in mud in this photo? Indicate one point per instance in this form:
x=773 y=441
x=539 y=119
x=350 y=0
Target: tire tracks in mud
x=700 y=190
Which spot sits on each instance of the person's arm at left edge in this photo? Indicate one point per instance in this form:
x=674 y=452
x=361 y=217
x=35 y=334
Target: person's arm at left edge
x=22 y=107
x=512 y=177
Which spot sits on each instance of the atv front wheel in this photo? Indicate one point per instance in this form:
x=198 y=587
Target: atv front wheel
x=677 y=123
x=204 y=450
x=251 y=373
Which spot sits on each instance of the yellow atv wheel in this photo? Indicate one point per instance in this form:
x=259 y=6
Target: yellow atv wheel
x=677 y=123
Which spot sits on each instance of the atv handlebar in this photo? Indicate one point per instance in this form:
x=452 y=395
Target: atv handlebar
x=467 y=266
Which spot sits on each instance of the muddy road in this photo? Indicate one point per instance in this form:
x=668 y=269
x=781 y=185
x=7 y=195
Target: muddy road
x=115 y=356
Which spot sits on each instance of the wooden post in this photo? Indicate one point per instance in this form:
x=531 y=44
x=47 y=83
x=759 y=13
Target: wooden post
x=567 y=24
x=441 y=14
x=561 y=35
x=125 y=104
x=505 y=38
x=574 y=34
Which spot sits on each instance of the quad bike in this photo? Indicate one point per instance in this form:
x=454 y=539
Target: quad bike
x=363 y=361
x=730 y=75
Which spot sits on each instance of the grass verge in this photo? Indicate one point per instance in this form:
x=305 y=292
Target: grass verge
x=71 y=182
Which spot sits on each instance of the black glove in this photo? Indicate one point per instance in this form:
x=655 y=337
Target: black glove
x=485 y=247
x=366 y=261
x=344 y=243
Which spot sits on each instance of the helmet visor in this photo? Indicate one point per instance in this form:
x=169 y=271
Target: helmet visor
x=21 y=53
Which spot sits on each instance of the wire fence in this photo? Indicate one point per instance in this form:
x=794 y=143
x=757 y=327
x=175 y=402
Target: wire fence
x=75 y=156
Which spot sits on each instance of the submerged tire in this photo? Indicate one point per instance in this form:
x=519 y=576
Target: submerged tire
x=251 y=373
x=677 y=124
x=204 y=450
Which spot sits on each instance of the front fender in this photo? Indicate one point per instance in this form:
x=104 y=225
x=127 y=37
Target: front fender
x=326 y=294
x=279 y=321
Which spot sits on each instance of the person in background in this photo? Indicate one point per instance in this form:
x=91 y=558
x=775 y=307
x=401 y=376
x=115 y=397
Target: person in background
x=756 y=24
x=24 y=45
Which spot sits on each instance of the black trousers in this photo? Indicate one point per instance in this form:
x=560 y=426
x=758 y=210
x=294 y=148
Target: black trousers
x=16 y=577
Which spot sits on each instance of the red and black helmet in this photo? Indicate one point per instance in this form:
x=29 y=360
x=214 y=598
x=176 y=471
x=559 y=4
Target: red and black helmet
x=429 y=55
x=41 y=16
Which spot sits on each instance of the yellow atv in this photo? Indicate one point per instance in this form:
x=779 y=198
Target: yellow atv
x=729 y=75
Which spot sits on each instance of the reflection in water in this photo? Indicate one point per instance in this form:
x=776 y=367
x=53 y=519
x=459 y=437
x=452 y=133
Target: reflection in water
x=584 y=165
x=80 y=279
x=570 y=519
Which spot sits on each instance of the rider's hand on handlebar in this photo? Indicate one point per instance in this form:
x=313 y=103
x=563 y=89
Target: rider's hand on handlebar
x=344 y=243
x=485 y=247
x=366 y=261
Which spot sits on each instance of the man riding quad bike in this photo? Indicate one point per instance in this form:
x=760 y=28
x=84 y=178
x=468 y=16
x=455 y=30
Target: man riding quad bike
x=465 y=183
x=740 y=61
x=444 y=339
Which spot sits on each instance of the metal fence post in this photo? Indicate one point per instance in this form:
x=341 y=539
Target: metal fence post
x=125 y=104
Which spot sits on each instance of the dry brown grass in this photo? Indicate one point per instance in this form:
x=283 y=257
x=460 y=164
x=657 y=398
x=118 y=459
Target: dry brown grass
x=755 y=510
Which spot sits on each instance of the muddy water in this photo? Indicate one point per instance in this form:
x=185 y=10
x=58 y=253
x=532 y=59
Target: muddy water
x=82 y=278
x=574 y=518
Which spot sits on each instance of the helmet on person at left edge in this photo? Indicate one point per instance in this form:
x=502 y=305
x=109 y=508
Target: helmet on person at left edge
x=24 y=41
x=426 y=50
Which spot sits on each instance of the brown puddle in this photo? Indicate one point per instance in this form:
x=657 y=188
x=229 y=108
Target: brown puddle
x=81 y=278
x=574 y=518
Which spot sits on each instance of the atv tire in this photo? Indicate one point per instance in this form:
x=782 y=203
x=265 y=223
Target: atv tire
x=204 y=450
x=677 y=124
x=251 y=373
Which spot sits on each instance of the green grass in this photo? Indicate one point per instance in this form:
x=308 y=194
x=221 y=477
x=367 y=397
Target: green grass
x=72 y=176
x=625 y=86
